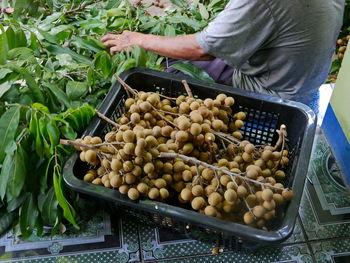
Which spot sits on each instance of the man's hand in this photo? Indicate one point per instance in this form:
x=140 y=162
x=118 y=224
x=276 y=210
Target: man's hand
x=121 y=42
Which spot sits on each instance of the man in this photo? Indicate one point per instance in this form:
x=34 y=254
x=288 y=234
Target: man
x=277 y=47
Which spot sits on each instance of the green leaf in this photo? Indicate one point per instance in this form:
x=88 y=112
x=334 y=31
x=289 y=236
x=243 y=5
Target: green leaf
x=15 y=37
x=193 y=71
x=56 y=50
x=116 y=12
x=68 y=211
x=89 y=44
x=60 y=95
x=16 y=202
x=34 y=42
x=18 y=175
x=27 y=216
x=3 y=46
x=4 y=72
x=6 y=221
x=48 y=37
x=38 y=95
x=54 y=135
x=127 y=64
x=103 y=63
x=169 y=31
x=4 y=87
x=8 y=126
x=335 y=66
x=140 y=56
x=68 y=132
x=41 y=107
x=76 y=90
x=50 y=204
x=112 y=4
x=19 y=51
x=203 y=11
x=6 y=171
x=180 y=3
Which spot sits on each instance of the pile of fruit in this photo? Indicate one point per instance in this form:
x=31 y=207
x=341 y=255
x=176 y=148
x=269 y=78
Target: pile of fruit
x=189 y=152
x=341 y=46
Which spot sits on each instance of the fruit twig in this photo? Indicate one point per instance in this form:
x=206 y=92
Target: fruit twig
x=282 y=133
x=89 y=146
x=226 y=137
x=165 y=119
x=105 y=118
x=81 y=7
x=126 y=86
x=214 y=168
x=187 y=88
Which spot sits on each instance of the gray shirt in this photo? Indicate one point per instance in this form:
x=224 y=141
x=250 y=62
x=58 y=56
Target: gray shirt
x=281 y=46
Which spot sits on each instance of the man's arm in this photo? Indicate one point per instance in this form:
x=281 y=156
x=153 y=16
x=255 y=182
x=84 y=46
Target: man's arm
x=180 y=47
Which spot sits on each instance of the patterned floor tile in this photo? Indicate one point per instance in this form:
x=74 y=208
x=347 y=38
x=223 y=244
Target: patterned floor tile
x=325 y=205
x=99 y=240
x=295 y=253
x=332 y=251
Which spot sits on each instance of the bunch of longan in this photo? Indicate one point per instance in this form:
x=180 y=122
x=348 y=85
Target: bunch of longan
x=210 y=170
x=341 y=46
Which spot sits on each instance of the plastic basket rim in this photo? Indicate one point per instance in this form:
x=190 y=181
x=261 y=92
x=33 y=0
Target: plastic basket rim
x=192 y=217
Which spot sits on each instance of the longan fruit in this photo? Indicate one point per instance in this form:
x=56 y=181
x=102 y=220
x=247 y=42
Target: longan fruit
x=252 y=174
x=269 y=215
x=267 y=195
x=229 y=101
x=230 y=195
x=82 y=156
x=87 y=139
x=266 y=155
x=269 y=205
x=90 y=156
x=225 y=179
x=197 y=203
x=209 y=189
x=249 y=148
x=284 y=161
x=164 y=193
x=89 y=177
x=287 y=195
x=135 y=118
x=270 y=164
x=129 y=102
x=205 y=127
x=197 y=190
x=133 y=194
x=266 y=173
x=96 y=140
x=207 y=174
x=239 y=123
x=153 y=193
x=270 y=180
x=129 y=178
x=138 y=160
x=179 y=166
x=214 y=198
x=242 y=191
x=240 y=115
x=160 y=183
x=187 y=175
x=116 y=181
x=186 y=194
x=280 y=175
x=278 y=198
x=209 y=137
x=259 y=211
x=248 y=218
x=97 y=181
x=209 y=103
x=276 y=156
x=247 y=157
x=196 y=117
x=168 y=168
x=129 y=148
x=210 y=211
x=183 y=123
x=217 y=125
x=166 y=131
x=104 y=178
x=181 y=136
x=194 y=105
x=221 y=97
x=187 y=148
x=178 y=186
x=251 y=200
x=128 y=136
x=184 y=108
x=142 y=188
x=237 y=134
x=196 y=129
x=101 y=170
x=148 y=168
x=128 y=166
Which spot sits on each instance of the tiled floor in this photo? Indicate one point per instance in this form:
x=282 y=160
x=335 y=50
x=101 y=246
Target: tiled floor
x=322 y=232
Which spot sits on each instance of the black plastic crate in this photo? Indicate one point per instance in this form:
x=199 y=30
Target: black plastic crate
x=264 y=115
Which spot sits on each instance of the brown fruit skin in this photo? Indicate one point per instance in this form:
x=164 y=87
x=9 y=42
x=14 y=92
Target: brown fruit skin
x=153 y=193
x=197 y=203
x=230 y=195
x=248 y=218
x=210 y=211
x=186 y=194
x=214 y=199
x=259 y=211
x=164 y=193
x=267 y=195
x=133 y=194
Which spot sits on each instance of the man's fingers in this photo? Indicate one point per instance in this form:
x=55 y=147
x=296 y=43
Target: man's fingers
x=114 y=49
x=110 y=43
x=108 y=37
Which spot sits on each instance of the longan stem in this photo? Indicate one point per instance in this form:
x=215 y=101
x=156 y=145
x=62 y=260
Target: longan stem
x=94 y=146
x=226 y=137
x=187 y=88
x=166 y=97
x=126 y=86
x=195 y=161
x=160 y=115
x=103 y=117
x=281 y=136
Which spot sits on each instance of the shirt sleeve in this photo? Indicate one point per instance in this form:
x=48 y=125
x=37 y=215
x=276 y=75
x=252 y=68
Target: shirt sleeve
x=238 y=31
